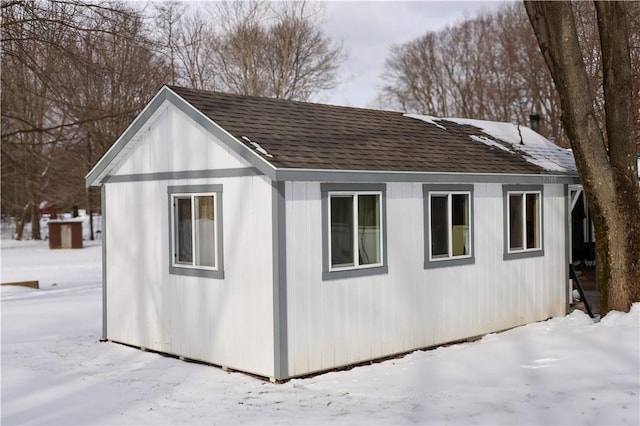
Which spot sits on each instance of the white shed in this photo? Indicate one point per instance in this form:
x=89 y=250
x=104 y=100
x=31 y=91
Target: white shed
x=284 y=238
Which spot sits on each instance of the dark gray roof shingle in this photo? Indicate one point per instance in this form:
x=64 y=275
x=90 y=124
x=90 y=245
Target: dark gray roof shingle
x=302 y=135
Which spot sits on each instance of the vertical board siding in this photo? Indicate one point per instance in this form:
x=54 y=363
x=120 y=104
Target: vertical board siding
x=338 y=322
x=169 y=143
x=222 y=321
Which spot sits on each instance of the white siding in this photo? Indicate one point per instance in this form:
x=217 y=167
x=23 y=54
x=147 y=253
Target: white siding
x=227 y=321
x=339 y=322
x=171 y=142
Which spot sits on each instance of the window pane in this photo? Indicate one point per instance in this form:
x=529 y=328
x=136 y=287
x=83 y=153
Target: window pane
x=460 y=224
x=205 y=231
x=515 y=222
x=183 y=231
x=533 y=221
x=342 y=230
x=369 y=229
x=439 y=226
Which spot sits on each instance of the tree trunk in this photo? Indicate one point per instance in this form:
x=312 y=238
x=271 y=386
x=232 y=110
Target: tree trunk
x=21 y=222
x=624 y=289
x=609 y=175
x=35 y=222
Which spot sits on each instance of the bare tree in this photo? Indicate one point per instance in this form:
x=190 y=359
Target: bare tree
x=113 y=79
x=241 y=57
x=74 y=75
x=198 y=44
x=167 y=17
x=253 y=48
x=276 y=50
x=488 y=67
x=300 y=59
x=30 y=129
x=605 y=152
x=416 y=77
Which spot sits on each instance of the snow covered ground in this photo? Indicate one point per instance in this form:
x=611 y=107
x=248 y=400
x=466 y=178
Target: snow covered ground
x=55 y=371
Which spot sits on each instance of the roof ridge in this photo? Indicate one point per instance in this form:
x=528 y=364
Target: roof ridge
x=176 y=88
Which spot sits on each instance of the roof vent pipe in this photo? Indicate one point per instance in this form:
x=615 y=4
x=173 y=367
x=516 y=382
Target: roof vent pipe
x=534 y=119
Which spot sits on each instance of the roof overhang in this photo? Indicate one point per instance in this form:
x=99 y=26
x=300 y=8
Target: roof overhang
x=312 y=175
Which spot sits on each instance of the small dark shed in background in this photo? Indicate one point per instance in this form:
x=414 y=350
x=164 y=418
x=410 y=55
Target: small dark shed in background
x=65 y=234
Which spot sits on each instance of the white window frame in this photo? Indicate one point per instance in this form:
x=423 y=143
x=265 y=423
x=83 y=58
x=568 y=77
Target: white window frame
x=523 y=218
x=523 y=192
x=351 y=272
x=449 y=255
x=449 y=190
x=191 y=192
x=356 y=248
x=194 y=231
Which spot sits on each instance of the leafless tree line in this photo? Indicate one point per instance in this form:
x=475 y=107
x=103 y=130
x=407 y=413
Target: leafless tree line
x=71 y=80
x=75 y=73
x=268 y=49
x=490 y=67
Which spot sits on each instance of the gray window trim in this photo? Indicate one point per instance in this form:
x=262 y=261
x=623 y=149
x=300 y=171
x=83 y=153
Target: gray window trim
x=439 y=263
x=195 y=272
x=325 y=189
x=506 y=189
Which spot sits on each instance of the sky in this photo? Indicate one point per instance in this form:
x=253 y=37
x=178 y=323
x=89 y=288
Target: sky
x=567 y=370
x=369 y=29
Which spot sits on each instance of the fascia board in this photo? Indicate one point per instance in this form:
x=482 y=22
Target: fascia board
x=372 y=176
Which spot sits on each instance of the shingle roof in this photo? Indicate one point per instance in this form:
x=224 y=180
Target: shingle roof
x=299 y=135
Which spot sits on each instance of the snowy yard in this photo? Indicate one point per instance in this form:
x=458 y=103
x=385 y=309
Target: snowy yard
x=55 y=371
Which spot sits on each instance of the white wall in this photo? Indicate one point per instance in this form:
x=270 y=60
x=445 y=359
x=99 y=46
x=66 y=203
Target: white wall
x=171 y=142
x=339 y=322
x=227 y=321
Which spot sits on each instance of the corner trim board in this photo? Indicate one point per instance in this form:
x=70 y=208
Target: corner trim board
x=103 y=199
x=280 y=325
x=567 y=244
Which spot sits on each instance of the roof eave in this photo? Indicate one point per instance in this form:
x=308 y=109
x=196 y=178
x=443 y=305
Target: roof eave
x=377 y=176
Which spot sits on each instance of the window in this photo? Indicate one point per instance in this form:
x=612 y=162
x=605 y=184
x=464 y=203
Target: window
x=523 y=215
x=448 y=225
x=353 y=230
x=196 y=228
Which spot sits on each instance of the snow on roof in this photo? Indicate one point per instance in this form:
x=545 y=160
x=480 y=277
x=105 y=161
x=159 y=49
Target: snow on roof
x=516 y=139
x=428 y=118
x=257 y=147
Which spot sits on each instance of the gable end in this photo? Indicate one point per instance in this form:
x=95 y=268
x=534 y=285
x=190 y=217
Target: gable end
x=119 y=150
